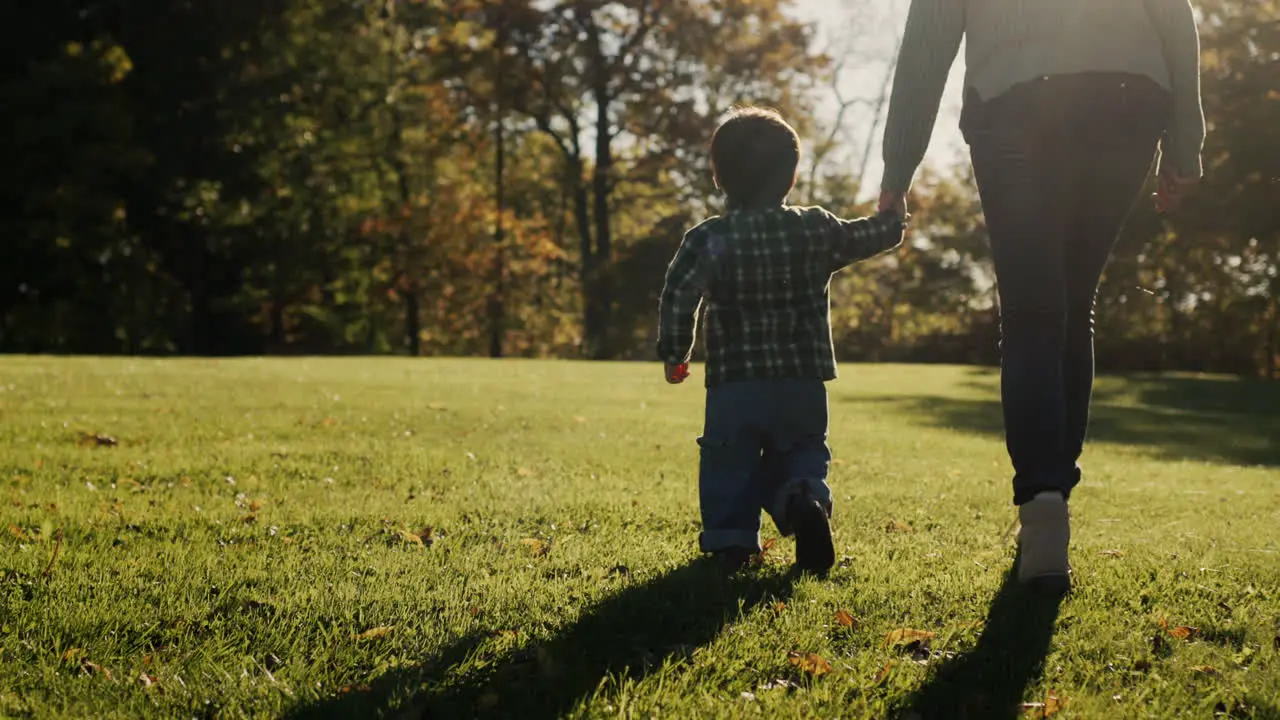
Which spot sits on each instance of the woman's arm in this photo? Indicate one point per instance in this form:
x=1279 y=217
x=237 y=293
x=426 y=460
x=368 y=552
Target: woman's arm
x=929 y=46
x=1175 y=22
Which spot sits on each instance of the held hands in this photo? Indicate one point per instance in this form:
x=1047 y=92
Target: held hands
x=893 y=201
x=1172 y=190
x=676 y=374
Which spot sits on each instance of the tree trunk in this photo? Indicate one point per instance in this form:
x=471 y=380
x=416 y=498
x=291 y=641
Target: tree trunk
x=600 y=290
x=497 y=301
x=582 y=216
x=412 y=319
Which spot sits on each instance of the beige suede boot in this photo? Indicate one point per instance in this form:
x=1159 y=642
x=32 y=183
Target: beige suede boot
x=1043 y=541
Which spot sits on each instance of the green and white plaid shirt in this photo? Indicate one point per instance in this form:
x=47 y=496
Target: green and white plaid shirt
x=764 y=275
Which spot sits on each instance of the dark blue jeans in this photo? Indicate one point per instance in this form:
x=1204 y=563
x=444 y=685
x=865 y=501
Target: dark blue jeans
x=1059 y=163
x=764 y=441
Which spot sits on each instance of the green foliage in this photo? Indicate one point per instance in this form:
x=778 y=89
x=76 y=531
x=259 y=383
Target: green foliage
x=509 y=177
x=387 y=537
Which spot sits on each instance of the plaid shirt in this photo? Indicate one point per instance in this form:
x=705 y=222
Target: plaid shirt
x=764 y=275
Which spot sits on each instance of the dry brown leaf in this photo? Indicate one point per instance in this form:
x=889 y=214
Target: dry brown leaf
x=882 y=675
x=1116 y=552
x=897 y=526
x=811 y=663
x=249 y=519
x=93 y=668
x=148 y=680
x=1206 y=669
x=907 y=635
x=345 y=689
x=1183 y=632
x=255 y=506
x=376 y=632
x=19 y=533
x=779 y=606
x=97 y=440
x=844 y=619
x=538 y=547
x=412 y=538
x=1050 y=707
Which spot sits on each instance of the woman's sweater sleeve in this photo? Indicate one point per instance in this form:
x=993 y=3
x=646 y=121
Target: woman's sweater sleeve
x=1175 y=22
x=929 y=45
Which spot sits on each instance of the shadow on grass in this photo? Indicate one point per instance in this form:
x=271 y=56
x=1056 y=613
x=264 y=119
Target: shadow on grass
x=1219 y=420
x=627 y=636
x=989 y=681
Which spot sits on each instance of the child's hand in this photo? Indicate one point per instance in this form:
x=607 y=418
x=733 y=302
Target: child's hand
x=676 y=374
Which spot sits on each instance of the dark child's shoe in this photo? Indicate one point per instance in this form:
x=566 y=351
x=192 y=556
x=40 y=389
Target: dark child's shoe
x=815 y=551
x=732 y=560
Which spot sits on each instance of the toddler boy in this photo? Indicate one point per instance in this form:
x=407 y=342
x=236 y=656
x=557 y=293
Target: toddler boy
x=762 y=270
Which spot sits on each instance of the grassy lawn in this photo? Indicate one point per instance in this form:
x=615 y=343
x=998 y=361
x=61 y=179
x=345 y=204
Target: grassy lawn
x=441 y=539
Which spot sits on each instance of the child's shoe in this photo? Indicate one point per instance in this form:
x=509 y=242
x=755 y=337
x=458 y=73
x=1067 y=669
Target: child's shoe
x=1043 y=564
x=732 y=560
x=815 y=551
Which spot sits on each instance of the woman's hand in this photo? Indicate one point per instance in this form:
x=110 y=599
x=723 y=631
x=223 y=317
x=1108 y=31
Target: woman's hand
x=1173 y=189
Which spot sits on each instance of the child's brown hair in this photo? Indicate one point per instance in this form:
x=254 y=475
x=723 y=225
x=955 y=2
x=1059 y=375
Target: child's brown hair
x=754 y=155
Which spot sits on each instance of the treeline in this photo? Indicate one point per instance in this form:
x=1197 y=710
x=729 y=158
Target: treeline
x=508 y=177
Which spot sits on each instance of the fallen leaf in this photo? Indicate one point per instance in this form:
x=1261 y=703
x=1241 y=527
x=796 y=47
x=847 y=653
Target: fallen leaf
x=1113 y=553
x=1206 y=669
x=427 y=535
x=779 y=606
x=255 y=506
x=1183 y=632
x=1052 y=703
x=97 y=440
x=376 y=632
x=18 y=533
x=810 y=663
x=148 y=680
x=1050 y=707
x=345 y=689
x=93 y=668
x=767 y=545
x=897 y=526
x=475 y=611
x=882 y=675
x=409 y=537
x=907 y=635
x=844 y=619
x=249 y=519
x=538 y=547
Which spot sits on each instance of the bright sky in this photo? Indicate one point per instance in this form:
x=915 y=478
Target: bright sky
x=869 y=29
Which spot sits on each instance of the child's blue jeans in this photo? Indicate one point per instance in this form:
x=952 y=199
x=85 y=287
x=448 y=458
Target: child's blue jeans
x=764 y=442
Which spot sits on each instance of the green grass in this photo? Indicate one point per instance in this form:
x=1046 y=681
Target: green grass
x=258 y=516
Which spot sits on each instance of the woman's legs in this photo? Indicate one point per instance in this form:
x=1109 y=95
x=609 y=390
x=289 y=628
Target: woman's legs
x=1059 y=163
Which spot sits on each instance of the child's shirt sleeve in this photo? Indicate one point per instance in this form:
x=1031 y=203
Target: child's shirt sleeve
x=850 y=241
x=681 y=299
